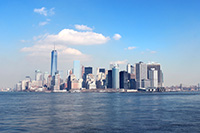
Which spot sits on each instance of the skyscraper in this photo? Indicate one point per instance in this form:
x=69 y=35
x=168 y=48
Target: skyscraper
x=124 y=80
x=88 y=70
x=141 y=73
x=53 y=62
x=153 y=77
x=115 y=77
x=101 y=70
x=77 y=69
x=109 y=78
x=38 y=75
x=130 y=68
x=157 y=67
x=45 y=78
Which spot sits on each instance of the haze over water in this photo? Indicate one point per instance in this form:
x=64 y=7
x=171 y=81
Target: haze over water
x=100 y=112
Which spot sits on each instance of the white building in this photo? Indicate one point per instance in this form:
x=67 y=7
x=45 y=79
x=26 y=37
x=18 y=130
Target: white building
x=90 y=82
x=141 y=73
x=45 y=78
x=153 y=77
x=38 y=75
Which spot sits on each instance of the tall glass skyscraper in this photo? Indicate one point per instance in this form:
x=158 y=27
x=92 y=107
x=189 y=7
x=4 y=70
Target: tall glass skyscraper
x=53 y=62
x=115 y=77
x=76 y=69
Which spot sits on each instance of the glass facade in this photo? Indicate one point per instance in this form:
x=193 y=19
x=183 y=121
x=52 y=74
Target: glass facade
x=76 y=69
x=53 y=62
x=115 y=77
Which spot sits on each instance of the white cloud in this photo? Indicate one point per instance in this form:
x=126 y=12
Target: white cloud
x=83 y=27
x=72 y=37
x=43 y=44
x=117 y=36
x=65 y=53
x=44 y=23
x=44 y=11
x=130 y=48
x=119 y=62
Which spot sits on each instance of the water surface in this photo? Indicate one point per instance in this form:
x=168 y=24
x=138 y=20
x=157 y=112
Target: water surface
x=100 y=112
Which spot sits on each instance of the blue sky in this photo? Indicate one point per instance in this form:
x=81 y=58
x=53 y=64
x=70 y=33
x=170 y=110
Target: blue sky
x=163 y=31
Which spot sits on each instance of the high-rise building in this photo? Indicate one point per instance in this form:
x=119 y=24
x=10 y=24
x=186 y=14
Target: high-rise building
x=141 y=73
x=133 y=84
x=109 y=79
x=77 y=69
x=157 y=67
x=153 y=77
x=53 y=62
x=101 y=70
x=115 y=77
x=38 y=75
x=145 y=84
x=101 y=80
x=88 y=70
x=56 y=81
x=82 y=71
x=45 y=78
x=130 y=68
x=90 y=81
x=124 y=80
x=73 y=83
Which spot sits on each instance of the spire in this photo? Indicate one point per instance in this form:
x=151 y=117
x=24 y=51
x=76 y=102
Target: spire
x=54 y=47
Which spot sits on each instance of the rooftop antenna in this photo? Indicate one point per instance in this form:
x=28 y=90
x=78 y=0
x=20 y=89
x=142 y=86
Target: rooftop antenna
x=54 y=46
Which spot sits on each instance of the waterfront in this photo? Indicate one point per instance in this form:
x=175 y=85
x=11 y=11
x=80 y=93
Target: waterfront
x=100 y=112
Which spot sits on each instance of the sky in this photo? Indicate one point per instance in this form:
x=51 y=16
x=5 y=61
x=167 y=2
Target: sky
x=100 y=32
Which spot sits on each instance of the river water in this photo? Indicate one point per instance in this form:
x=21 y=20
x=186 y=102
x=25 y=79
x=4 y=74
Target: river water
x=100 y=112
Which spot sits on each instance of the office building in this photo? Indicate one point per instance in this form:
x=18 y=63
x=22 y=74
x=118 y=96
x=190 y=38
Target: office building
x=88 y=70
x=124 y=80
x=141 y=73
x=45 y=78
x=53 y=62
x=157 y=67
x=115 y=77
x=153 y=77
x=109 y=79
x=101 y=70
x=133 y=84
x=38 y=75
x=101 y=80
x=76 y=69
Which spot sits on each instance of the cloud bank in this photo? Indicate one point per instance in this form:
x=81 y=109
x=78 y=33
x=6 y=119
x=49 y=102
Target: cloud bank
x=72 y=37
x=63 y=41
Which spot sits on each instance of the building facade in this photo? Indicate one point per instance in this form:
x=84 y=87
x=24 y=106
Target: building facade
x=115 y=77
x=53 y=62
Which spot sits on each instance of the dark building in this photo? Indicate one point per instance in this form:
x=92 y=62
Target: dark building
x=124 y=79
x=102 y=70
x=133 y=84
x=109 y=79
x=88 y=70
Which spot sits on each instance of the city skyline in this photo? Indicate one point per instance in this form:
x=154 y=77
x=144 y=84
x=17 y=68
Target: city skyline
x=119 y=32
x=81 y=78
